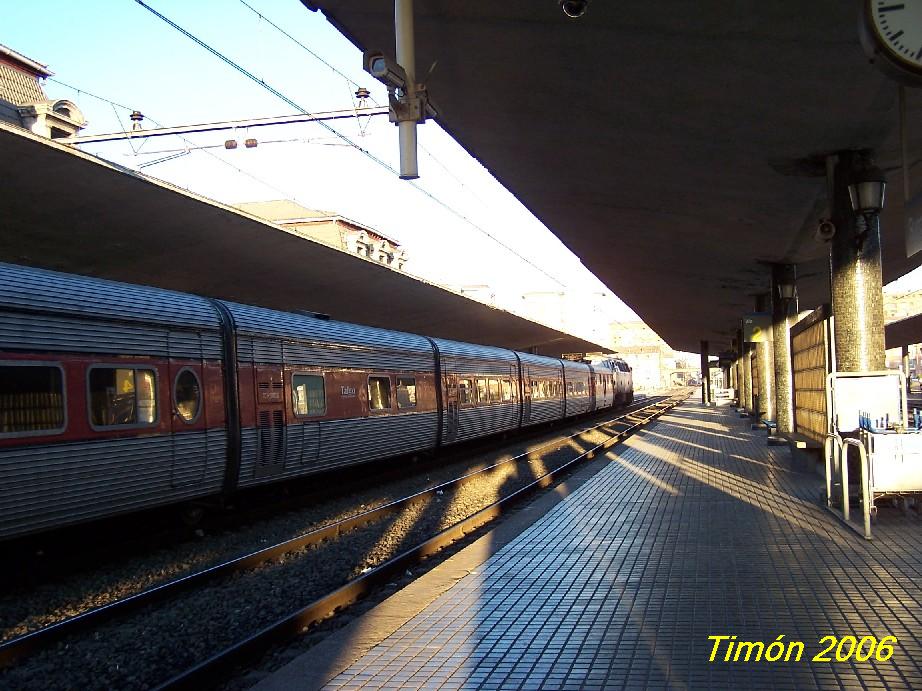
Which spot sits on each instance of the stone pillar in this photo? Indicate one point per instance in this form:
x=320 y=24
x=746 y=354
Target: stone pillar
x=855 y=276
x=746 y=402
x=705 y=374
x=906 y=368
x=737 y=379
x=783 y=274
x=765 y=363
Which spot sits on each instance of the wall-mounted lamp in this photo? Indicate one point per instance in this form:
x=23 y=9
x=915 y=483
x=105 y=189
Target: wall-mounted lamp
x=787 y=291
x=867 y=191
x=784 y=278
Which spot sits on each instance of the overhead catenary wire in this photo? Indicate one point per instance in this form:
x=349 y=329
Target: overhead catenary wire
x=275 y=92
x=268 y=87
x=192 y=146
x=297 y=42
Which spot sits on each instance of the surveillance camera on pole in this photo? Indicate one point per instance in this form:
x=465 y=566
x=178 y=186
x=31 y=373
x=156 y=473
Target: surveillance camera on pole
x=385 y=70
x=408 y=103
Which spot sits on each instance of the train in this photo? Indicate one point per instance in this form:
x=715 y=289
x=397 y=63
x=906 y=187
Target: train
x=117 y=397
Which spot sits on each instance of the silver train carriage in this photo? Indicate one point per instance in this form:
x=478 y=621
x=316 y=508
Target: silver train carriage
x=117 y=397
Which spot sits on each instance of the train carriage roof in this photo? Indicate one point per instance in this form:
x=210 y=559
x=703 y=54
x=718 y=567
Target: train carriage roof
x=260 y=321
x=473 y=351
x=29 y=289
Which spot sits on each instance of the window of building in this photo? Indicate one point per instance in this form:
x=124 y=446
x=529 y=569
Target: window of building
x=187 y=395
x=406 y=392
x=507 y=390
x=31 y=399
x=494 y=390
x=122 y=396
x=482 y=396
x=379 y=393
x=465 y=391
x=308 y=395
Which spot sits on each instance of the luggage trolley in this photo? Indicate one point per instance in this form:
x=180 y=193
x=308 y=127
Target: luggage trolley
x=868 y=413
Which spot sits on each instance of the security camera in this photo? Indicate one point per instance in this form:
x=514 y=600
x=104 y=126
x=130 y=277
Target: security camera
x=574 y=8
x=385 y=70
x=825 y=231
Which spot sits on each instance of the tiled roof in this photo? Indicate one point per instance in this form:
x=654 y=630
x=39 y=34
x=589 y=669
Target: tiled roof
x=18 y=87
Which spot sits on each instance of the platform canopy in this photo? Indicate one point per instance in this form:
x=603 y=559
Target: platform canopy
x=676 y=147
x=69 y=211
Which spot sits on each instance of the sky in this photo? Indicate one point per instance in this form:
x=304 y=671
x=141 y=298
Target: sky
x=119 y=51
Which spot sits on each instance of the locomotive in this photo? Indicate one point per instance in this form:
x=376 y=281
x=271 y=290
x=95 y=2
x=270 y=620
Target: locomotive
x=117 y=397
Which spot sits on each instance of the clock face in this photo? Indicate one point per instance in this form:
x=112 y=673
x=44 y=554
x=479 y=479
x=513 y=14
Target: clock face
x=898 y=24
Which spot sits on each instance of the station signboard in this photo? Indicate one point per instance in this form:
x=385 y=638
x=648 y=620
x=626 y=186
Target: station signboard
x=757 y=327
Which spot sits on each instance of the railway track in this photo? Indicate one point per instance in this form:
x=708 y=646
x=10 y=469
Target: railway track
x=217 y=664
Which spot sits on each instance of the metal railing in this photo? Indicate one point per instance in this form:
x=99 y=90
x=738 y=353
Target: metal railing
x=837 y=464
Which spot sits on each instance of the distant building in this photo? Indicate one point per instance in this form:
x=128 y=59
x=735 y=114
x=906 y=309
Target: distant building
x=902 y=305
x=651 y=358
x=331 y=229
x=23 y=102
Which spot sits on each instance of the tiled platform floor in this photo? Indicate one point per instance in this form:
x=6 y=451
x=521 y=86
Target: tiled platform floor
x=694 y=528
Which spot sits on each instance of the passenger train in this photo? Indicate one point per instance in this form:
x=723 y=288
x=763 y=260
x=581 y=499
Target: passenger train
x=118 y=397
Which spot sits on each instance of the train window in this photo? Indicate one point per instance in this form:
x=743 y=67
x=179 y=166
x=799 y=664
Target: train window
x=406 y=392
x=482 y=396
x=465 y=392
x=507 y=390
x=31 y=399
x=494 y=391
x=308 y=395
x=379 y=393
x=187 y=395
x=122 y=396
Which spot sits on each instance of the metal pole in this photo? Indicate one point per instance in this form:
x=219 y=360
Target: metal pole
x=905 y=364
x=406 y=58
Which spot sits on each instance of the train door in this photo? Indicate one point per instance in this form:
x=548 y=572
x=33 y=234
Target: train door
x=593 y=388
x=526 y=397
x=451 y=408
x=270 y=420
x=189 y=437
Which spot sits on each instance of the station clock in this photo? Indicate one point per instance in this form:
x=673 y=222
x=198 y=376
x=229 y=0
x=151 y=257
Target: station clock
x=891 y=33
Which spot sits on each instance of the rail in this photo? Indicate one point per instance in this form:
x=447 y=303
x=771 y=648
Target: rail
x=22 y=646
x=213 y=670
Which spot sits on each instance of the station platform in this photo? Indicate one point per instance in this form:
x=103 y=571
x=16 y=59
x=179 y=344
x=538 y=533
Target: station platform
x=692 y=528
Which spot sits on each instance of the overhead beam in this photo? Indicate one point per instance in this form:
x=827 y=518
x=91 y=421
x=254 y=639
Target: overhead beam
x=226 y=125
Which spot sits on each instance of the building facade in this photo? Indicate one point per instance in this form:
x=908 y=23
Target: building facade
x=331 y=229
x=23 y=101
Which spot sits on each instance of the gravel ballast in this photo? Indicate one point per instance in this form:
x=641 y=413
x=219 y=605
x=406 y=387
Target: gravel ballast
x=152 y=645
